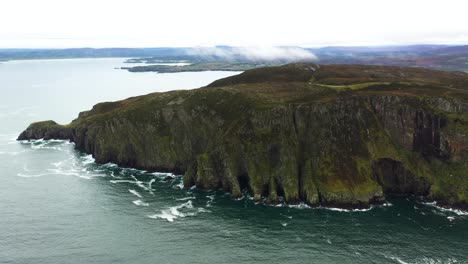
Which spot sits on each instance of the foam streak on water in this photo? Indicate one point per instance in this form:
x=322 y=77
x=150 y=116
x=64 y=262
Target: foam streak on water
x=137 y=194
x=179 y=211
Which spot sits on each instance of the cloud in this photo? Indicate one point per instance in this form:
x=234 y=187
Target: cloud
x=254 y=53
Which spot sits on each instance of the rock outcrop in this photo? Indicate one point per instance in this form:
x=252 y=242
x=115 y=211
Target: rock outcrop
x=336 y=135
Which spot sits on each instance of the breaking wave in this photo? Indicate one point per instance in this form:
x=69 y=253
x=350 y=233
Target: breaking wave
x=446 y=210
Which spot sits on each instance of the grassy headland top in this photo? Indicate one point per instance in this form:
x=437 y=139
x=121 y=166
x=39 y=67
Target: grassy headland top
x=341 y=135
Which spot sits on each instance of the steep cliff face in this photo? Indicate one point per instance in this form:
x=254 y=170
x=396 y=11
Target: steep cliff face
x=326 y=135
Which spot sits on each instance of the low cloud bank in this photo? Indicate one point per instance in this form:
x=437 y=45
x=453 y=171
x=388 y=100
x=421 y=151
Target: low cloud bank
x=254 y=53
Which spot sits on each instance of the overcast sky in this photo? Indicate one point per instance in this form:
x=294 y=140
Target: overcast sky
x=146 y=23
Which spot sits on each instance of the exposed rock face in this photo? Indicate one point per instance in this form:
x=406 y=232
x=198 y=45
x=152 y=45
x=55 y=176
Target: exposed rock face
x=46 y=130
x=332 y=135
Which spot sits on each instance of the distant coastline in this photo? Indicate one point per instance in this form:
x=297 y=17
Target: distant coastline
x=227 y=58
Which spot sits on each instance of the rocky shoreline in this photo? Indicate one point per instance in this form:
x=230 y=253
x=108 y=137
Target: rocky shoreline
x=334 y=135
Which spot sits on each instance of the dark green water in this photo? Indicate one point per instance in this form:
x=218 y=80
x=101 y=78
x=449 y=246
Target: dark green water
x=58 y=206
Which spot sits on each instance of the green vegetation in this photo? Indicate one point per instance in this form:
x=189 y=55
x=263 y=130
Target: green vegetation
x=332 y=135
x=199 y=66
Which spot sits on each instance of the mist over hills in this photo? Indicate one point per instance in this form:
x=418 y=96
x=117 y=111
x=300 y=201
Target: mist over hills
x=444 y=57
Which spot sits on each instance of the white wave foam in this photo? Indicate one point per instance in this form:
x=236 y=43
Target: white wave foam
x=443 y=209
x=346 y=210
x=298 y=206
x=22 y=175
x=179 y=211
x=34 y=175
x=180 y=185
x=136 y=182
x=386 y=204
x=186 y=198
x=424 y=260
x=88 y=159
x=287 y=216
x=305 y=206
x=121 y=181
x=137 y=194
x=203 y=210
x=164 y=215
x=210 y=201
x=140 y=184
x=56 y=140
x=151 y=182
x=163 y=174
x=140 y=203
x=51 y=144
x=110 y=165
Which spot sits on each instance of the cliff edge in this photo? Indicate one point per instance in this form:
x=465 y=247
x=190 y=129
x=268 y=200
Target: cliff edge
x=331 y=135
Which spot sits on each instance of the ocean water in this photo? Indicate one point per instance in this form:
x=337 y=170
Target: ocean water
x=58 y=206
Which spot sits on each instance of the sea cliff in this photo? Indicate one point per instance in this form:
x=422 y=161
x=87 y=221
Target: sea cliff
x=328 y=135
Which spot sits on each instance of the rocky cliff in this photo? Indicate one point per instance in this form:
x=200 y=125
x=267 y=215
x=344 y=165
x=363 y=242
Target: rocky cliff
x=335 y=135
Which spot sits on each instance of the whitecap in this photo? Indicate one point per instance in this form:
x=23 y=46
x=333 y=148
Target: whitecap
x=164 y=215
x=140 y=203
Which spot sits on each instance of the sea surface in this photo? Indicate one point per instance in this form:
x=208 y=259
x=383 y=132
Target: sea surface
x=58 y=206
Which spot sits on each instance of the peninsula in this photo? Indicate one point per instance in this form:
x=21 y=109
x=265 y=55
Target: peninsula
x=326 y=135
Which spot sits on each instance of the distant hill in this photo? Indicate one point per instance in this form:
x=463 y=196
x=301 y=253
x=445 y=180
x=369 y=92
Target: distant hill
x=441 y=57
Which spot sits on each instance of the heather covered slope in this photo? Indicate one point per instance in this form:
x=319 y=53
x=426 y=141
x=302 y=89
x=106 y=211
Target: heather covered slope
x=341 y=135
